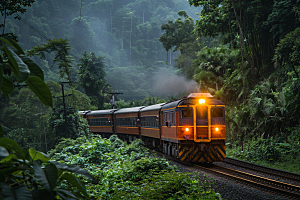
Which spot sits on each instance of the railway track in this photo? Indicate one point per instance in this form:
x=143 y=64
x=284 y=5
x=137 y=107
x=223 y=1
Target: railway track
x=288 y=190
x=281 y=188
x=266 y=170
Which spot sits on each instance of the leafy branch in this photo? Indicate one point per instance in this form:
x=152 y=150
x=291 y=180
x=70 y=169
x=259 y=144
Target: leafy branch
x=62 y=56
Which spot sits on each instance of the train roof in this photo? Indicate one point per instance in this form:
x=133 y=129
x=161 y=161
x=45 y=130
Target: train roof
x=152 y=107
x=200 y=95
x=171 y=104
x=214 y=102
x=129 y=110
x=191 y=100
x=101 y=112
x=83 y=112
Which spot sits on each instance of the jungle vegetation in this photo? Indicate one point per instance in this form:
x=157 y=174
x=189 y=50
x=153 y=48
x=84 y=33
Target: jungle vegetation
x=255 y=71
x=245 y=53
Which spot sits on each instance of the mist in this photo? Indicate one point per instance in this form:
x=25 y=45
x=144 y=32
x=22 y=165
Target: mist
x=167 y=84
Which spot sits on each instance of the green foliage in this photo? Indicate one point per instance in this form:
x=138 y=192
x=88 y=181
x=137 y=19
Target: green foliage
x=254 y=109
x=235 y=21
x=13 y=57
x=62 y=56
x=75 y=98
x=65 y=124
x=92 y=77
x=179 y=35
x=22 y=177
x=169 y=185
x=287 y=52
x=213 y=68
x=281 y=152
x=130 y=171
x=178 y=32
x=24 y=69
x=124 y=32
x=9 y=8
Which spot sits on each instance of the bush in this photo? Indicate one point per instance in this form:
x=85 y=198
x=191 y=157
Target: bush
x=267 y=150
x=129 y=171
x=23 y=176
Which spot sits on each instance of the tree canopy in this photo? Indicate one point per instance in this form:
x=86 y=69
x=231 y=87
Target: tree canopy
x=92 y=77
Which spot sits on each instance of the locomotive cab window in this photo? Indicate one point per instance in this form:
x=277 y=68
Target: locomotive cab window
x=201 y=112
x=216 y=112
x=187 y=113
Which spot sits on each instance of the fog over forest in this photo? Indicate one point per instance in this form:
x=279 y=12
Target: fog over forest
x=125 y=32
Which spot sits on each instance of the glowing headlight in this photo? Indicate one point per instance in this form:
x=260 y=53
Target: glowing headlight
x=217 y=129
x=201 y=101
x=187 y=129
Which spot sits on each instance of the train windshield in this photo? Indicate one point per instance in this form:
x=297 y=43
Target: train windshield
x=186 y=113
x=216 y=112
x=217 y=116
x=186 y=116
x=201 y=114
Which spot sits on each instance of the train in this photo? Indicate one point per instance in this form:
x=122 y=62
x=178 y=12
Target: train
x=191 y=129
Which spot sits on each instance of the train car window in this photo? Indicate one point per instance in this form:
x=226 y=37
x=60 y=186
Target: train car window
x=186 y=113
x=216 y=112
x=149 y=122
x=100 y=122
x=201 y=112
x=128 y=121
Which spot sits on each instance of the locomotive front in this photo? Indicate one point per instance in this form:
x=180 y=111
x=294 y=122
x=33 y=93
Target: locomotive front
x=194 y=128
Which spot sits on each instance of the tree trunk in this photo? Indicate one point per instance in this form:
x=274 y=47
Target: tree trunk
x=110 y=21
x=241 y=46
x=143 y=17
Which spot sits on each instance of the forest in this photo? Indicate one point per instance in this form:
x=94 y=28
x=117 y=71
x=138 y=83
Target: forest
x=61 y=57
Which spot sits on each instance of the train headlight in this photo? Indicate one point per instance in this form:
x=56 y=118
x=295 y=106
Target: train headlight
x=217 y=129
x=187 y=129
x=201 y=101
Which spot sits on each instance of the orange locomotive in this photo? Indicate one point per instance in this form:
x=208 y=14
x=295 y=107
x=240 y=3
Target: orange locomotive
x=191 y=129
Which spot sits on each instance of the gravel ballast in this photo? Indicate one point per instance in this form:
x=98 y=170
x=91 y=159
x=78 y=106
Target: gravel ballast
x=229 y=189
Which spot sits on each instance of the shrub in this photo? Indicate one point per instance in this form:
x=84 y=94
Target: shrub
x=129 y=171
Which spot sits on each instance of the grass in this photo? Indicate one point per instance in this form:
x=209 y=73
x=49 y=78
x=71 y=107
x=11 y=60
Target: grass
x=284 y=162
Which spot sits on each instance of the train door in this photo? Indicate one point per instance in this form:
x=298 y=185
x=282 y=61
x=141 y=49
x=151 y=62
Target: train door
x=202 y=131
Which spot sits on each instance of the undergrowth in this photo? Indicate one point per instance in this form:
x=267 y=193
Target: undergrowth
x=130 y=171
x=281 y=152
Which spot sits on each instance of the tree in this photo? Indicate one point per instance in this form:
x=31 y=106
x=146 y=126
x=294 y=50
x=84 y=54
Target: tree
x=24 y=70
x=179 y=35
x=72 y=126
x=83 y=36
x=256 y=26
x=25 y=115
x=36 y=182
x=62 y=55
x=8 y=8
x=92 y=77
x=287 y=52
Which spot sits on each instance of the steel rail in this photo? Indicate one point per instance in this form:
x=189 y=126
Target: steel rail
x=263 y=169
x=270 y=184
x=247 y=178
